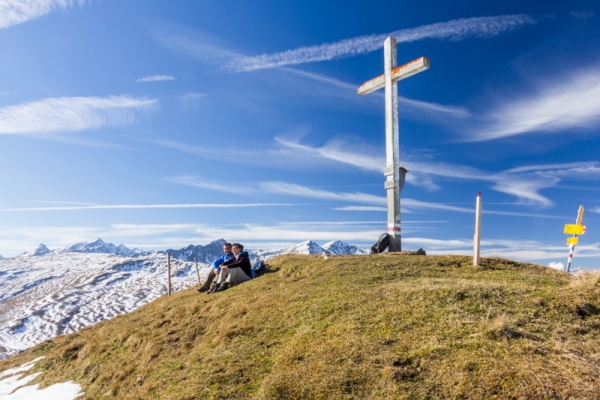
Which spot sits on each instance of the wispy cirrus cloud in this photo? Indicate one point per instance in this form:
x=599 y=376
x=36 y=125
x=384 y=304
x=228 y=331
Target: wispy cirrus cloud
x=191 y=100
x=582 y=14
x=156 y=78
x=322 y=83
x=361 y=208
x=375 y=203
x=524 y=183
x=479 y=27
x=13 y=12
x=71 y=114
x=304 y=191
x=195 y=181
x=571 y=102
x=595 y=210
x=214 y=51
x=144 y=206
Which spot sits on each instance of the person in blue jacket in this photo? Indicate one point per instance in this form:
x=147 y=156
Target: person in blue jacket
x=234 y=271
x=216 y=266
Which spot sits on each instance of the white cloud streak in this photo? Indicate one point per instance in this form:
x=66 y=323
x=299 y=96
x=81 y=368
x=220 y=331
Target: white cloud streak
x=303 y=191
x=71 y=114
x=582 y=14
x=480 y=27
x=524 y=183
x=191 y=100
x=361 y=208
x=212 y=50
x=377 y=203
x=322 y=83
x=143 y=206
x=156 y=78
x=568 y=103
x=195 y=181
x=13 y=12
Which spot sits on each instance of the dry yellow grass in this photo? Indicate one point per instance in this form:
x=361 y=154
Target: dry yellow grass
x=351 y=327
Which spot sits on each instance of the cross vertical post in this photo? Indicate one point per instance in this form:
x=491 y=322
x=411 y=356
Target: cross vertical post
x=392 y=146
x=394 y=174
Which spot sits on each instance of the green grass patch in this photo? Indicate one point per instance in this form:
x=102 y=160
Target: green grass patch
x=350 y=327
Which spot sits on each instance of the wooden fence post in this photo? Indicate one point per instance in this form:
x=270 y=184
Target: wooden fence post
x=197 y=272
x=169 y=272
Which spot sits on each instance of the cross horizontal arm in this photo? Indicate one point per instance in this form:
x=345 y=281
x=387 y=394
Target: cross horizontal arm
x=402 y=72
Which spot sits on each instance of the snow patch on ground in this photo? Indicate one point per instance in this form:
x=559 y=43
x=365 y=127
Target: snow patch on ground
x=13 y=386
x=557 y=265
x=62 y=291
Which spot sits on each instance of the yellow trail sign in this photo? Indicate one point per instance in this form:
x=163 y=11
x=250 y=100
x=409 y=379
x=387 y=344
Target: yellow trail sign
x=572 y=229
x=573 y=241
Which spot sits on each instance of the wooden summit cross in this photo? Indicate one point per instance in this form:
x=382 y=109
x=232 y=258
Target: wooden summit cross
x=395 y=174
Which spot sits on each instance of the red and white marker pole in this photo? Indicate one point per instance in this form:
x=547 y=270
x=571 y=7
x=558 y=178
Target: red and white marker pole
x=573 y=241
x=571 y=249
x=477 y=238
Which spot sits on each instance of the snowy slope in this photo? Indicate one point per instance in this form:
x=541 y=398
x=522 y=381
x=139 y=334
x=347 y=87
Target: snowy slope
x=45 y=293
x=265 y=255
x=338 y=247
x=41 y=297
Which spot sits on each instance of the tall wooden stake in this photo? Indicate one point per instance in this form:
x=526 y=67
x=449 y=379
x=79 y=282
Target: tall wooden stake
x=197 y=272
x=169 y=272
x=477 y=239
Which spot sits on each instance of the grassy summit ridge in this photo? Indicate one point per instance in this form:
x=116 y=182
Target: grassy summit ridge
x=350 y=327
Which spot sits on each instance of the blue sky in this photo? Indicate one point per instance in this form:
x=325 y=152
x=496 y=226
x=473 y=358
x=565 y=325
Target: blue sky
x=159 y=124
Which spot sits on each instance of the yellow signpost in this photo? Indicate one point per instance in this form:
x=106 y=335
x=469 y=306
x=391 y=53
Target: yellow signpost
x=573 y=241
x=577 y=229
x=571 y=229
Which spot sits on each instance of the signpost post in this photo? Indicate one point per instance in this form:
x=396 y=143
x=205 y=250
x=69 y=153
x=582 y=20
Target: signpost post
x=576 y=229
x=394 y=173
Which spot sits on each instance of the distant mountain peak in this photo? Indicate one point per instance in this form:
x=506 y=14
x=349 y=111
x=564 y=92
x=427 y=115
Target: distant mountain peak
x=100 y=246
x=39 y=251
x=339 y=247
x=203 y=254
x=307 y=247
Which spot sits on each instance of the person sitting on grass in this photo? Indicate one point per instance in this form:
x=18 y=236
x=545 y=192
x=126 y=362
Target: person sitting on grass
x=236 y=270
x=216 y=267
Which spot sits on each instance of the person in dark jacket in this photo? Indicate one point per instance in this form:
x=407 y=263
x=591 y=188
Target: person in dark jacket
x=235 y=270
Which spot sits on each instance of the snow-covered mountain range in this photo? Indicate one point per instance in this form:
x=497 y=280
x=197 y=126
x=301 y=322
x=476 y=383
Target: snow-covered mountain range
x=45 y=293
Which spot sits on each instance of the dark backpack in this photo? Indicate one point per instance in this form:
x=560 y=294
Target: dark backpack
x=381 y=245
x=258 y=269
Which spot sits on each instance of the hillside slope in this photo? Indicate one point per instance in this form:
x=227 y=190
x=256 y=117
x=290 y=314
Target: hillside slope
x=350 y=327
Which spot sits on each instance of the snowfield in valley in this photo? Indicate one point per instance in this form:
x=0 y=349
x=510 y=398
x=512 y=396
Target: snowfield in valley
x=45 y=293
